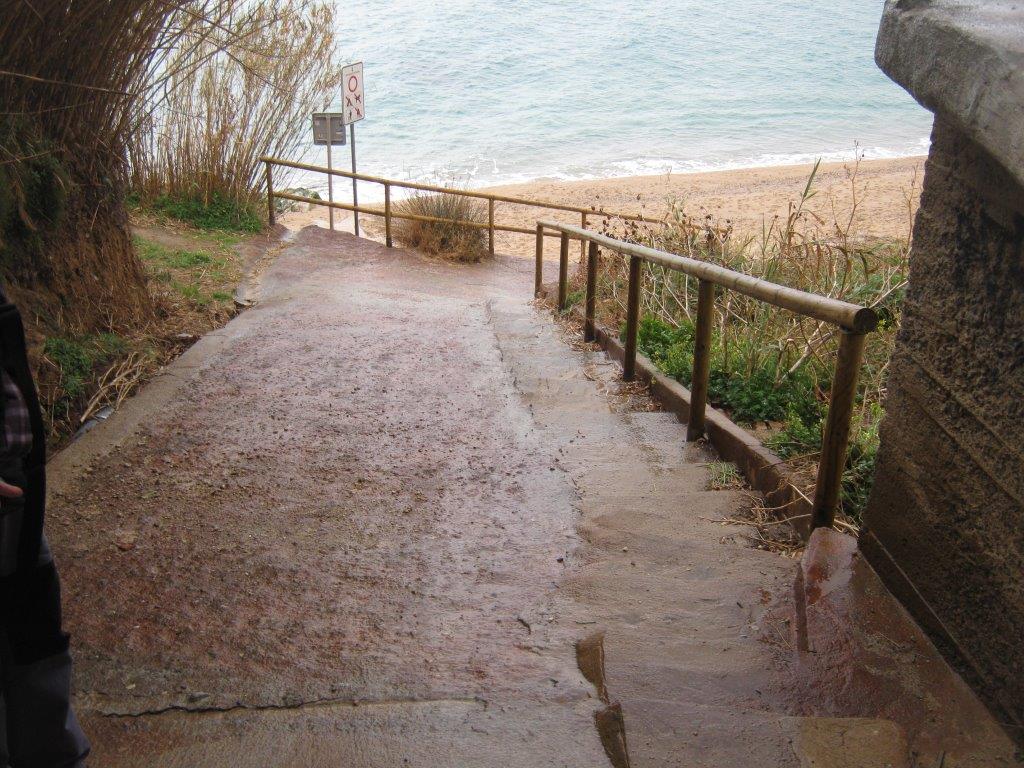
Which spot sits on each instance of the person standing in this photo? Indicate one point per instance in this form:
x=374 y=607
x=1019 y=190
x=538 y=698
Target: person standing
x=38 y=727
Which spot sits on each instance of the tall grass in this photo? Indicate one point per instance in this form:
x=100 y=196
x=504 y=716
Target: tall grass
x=229 y=99
x=771 y=367
x=455 y=238
x=77 y=77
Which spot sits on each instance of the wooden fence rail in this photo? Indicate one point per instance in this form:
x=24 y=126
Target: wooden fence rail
x=388 y=213
x=854 y=322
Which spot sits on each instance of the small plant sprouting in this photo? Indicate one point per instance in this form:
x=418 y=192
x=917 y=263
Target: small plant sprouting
x=723 y=475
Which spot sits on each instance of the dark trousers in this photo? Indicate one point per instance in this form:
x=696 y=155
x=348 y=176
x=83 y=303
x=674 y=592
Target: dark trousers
x=38 y=728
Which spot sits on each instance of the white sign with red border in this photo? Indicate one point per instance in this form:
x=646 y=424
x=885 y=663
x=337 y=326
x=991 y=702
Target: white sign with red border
x=352 y=97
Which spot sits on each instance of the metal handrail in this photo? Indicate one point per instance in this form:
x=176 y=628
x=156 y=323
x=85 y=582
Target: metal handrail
x=388 y=213
x=854 y=322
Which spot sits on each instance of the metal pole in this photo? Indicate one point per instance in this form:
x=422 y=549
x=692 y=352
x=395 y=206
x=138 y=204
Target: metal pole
x=563 y=272
x=538 y=269
x=387 y=215
x=355 y=193
x=490 y=225
x=632 y=319
x=837 y=429
x=271 y=213
x=330 y=167
x=701 y=360
x=589 y=328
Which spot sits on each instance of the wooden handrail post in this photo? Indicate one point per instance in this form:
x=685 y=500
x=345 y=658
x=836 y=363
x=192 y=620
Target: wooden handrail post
x=563 y=272
x=632 y=319
x=701 y=360
x=538 y=269
x=490 y=225
x=583 y=243
x=837 y=429
x=271 y=213
x=387 y=216
x=589 y=327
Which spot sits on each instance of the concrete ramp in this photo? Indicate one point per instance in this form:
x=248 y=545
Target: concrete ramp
x=369 y=523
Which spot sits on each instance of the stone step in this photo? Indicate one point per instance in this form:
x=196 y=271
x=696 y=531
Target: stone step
x=667 y=734
x=453 y=732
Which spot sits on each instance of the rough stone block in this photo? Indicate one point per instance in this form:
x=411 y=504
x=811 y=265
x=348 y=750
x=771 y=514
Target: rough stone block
x=945 y=521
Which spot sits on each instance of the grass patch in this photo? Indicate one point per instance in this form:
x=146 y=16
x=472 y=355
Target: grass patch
x=76 y=361
x=572 y=298
x=217 y=213
x=197 y=275
x=453 y=239
x=154 y=253
x=190 y=276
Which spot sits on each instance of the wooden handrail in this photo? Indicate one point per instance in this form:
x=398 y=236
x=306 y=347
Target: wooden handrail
x=851 y=317
x=389 y=213
x=853 y=320
x=459 y=192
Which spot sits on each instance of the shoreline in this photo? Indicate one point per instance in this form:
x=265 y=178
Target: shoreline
x=880 y=201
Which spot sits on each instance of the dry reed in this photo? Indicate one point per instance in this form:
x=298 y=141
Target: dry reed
x=73 y=76
x=456 y=238
x=228 y=99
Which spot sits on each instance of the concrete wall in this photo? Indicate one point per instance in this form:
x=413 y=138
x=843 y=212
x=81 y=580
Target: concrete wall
x=945 y=521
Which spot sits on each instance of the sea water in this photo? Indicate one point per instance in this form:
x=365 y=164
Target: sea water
x=481 y=92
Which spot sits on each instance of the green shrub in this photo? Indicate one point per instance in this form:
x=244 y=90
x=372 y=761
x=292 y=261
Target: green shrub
x=763 y=395
x=767 y=364
x=750 y=396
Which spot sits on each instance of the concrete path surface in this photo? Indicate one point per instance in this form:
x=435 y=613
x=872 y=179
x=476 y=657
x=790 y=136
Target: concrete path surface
x=389 y=516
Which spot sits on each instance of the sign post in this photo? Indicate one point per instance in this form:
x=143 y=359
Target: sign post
x=353 y=110
x=329 y=130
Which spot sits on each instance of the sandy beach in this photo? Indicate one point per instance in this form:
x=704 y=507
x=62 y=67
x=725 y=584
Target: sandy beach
x=886 y=192
x=880 y=195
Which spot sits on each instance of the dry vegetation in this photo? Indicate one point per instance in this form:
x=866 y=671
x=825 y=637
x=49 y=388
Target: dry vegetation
x=771 y=370
x=175 y=96
x=222 y=107
x=456 y=238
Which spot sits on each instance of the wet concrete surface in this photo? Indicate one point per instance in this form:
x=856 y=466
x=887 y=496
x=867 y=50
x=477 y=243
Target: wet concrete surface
x=342 y=506
x=366 y=523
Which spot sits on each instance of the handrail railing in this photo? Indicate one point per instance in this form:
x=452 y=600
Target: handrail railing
x=854 y=322
x=388 y=213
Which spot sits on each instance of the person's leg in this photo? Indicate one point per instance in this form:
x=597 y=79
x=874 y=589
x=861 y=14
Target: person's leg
x=4 y=757
x=35 y=670
x=42 y=731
